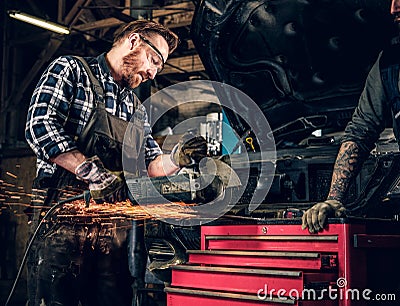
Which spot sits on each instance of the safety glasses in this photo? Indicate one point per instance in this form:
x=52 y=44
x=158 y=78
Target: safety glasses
x=159 y=67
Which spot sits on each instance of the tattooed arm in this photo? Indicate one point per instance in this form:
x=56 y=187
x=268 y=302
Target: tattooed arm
x=361 y=133
x=348 y=163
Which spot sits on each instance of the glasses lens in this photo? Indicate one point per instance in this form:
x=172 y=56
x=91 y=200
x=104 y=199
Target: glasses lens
x=161 y=66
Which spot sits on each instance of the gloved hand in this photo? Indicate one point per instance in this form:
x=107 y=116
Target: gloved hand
x=104 y=185
x=189 y=150
x=315 y=217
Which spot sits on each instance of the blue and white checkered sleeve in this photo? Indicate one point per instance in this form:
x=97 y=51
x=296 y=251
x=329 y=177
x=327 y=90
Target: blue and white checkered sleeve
x=48 y=110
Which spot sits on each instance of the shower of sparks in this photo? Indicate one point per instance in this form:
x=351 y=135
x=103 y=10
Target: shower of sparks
x=11 y=174
x=123 y=210
x=13 y=198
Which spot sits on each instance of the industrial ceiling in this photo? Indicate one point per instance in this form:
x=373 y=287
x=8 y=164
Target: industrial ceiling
x=27 y=49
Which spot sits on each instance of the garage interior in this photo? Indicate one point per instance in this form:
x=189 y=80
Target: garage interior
x=300 y=85
x=26 y=52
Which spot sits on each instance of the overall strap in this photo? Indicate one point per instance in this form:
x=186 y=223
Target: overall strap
x=95 y=84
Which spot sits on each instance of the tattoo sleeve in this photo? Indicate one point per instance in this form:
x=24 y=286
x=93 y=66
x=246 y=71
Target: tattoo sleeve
x=348 y=163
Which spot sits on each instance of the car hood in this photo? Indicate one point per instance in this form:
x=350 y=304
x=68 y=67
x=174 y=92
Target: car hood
x=303 y=62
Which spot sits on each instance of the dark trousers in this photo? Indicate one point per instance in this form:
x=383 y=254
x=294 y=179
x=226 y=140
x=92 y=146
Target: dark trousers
x=71 y=262
x=81 y=262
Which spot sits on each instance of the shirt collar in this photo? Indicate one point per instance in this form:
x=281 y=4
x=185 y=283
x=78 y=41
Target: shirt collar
x=101 y=59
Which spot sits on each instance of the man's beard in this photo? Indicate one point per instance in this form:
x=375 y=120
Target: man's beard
x=130 y=64
x=396 y=18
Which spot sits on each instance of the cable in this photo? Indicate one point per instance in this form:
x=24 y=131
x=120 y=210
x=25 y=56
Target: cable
x=50 y=211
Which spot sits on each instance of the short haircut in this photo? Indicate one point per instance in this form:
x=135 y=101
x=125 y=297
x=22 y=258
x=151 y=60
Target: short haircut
x=147 y=28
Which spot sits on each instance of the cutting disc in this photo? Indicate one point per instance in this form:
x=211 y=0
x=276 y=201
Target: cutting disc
x=223 y=171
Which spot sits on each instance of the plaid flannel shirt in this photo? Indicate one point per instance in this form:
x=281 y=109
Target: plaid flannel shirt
x=62 y=102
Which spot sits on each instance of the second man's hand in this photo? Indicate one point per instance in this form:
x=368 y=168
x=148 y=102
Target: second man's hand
x=315 y=218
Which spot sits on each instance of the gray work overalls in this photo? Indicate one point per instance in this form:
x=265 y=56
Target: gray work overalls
x=87 y=261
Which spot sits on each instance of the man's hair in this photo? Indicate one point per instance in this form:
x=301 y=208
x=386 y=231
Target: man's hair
x=147 y=28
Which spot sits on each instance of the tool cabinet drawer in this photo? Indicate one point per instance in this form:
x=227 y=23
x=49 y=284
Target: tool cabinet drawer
x=249 y=280
x=263 y=259
x=271 y=237
x=325 y=243
x=185 y=297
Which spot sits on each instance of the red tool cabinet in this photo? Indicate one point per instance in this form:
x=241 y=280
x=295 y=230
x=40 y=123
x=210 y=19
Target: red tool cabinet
x=277 y=263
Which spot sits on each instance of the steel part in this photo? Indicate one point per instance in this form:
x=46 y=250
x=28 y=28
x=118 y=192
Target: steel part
x=167 y=245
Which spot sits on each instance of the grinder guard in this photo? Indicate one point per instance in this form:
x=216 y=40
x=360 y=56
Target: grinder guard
x=187 y=188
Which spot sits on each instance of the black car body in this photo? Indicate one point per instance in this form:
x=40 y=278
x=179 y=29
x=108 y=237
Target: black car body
x=304 y=63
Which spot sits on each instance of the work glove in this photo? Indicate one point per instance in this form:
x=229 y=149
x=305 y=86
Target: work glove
x=104 y=185
x=315 y=217
x=189 y=150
